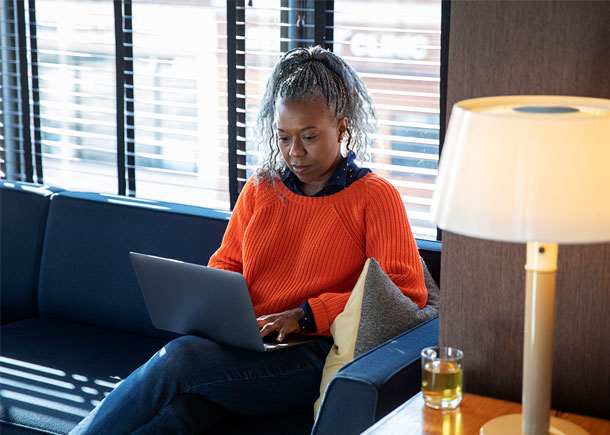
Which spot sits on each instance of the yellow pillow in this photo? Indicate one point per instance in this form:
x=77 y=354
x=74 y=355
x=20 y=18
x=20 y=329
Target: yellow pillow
x=345 y=332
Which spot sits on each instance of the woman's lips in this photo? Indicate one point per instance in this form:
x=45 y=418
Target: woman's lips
x=299 y=169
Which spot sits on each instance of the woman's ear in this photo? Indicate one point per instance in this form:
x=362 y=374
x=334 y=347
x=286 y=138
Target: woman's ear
x=341 y=128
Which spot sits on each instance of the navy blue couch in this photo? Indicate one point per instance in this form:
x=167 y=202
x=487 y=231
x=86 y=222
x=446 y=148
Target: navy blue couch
x=74 y=323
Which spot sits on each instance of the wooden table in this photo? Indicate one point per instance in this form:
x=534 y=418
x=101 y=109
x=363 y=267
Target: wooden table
x=413 y=417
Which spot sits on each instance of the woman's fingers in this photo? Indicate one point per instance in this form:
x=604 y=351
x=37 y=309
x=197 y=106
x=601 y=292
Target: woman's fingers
x=268 y=328
x=264 y=320
x=287 y=325
x=282 y=334
x=282 y=323
x=281 y=326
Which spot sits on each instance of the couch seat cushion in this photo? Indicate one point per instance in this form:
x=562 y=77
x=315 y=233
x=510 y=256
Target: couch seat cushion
x=53 y=372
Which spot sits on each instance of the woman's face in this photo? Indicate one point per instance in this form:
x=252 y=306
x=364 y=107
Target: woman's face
x=309 y=138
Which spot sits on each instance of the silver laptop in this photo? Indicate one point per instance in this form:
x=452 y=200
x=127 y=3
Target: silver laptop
x=198 y=300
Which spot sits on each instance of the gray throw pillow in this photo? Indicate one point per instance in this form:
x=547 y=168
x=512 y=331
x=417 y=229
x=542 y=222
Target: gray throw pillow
x=387 y=312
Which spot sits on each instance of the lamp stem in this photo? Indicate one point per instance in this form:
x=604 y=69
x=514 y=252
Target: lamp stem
x=538 y=337
x=537 y=352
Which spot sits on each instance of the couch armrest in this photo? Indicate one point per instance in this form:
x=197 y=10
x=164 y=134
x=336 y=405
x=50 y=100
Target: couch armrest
x=372 y=385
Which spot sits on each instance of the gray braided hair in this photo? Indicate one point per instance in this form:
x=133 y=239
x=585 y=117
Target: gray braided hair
x=303 y=74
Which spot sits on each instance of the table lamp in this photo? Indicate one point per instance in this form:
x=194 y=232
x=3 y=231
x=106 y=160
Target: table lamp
x=536 y=170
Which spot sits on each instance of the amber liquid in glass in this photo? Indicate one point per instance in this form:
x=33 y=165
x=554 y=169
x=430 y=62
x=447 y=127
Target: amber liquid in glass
x=442 y=384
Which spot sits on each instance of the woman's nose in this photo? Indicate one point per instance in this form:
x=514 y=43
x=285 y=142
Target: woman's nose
x=297 y=149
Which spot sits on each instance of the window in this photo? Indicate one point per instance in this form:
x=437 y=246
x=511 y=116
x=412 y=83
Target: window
x=397 y=54
x=75 y=62
x=180 y=103
x=158 y=98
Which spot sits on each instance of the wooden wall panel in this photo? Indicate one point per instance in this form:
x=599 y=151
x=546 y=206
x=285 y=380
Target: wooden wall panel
x=534 y=47
x=528 y=47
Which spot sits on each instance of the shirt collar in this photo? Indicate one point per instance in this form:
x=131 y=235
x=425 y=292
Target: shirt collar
x=337 y=180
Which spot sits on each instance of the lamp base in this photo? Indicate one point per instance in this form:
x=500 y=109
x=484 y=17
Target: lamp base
x=511 y=424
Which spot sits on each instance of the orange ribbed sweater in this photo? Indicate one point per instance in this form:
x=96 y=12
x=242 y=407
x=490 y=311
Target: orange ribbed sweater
x=313 y=248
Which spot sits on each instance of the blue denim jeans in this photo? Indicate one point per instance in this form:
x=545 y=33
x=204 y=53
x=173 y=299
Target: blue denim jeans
x=191 y=383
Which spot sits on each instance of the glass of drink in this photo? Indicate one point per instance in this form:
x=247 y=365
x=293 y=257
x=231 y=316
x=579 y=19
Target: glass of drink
x=441 y=377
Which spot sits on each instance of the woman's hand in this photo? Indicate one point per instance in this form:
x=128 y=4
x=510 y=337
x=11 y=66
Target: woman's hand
x=282 y=323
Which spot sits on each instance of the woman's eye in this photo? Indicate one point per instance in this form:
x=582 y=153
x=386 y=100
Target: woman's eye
x=283 y=139
x=309 y=138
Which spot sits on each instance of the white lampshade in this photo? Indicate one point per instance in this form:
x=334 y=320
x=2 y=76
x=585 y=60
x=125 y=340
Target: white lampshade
x=523 y=168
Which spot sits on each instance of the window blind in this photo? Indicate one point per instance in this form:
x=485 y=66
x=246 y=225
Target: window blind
x=75 y=62
x=180 y=101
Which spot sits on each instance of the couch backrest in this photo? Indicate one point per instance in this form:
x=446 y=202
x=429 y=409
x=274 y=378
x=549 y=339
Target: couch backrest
x=430 y=251
x=23 y=213
x=85 y=272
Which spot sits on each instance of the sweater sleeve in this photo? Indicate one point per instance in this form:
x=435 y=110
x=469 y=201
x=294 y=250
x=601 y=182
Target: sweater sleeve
x=388 y=238
x=229 y=255
x=390 y=241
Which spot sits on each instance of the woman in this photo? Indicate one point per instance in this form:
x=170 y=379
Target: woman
x=300 y=233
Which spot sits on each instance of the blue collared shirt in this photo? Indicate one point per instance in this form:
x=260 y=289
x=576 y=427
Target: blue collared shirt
x=347 y=172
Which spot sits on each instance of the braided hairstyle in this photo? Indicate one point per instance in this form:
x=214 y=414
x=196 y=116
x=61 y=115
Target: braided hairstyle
x=306 y=73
